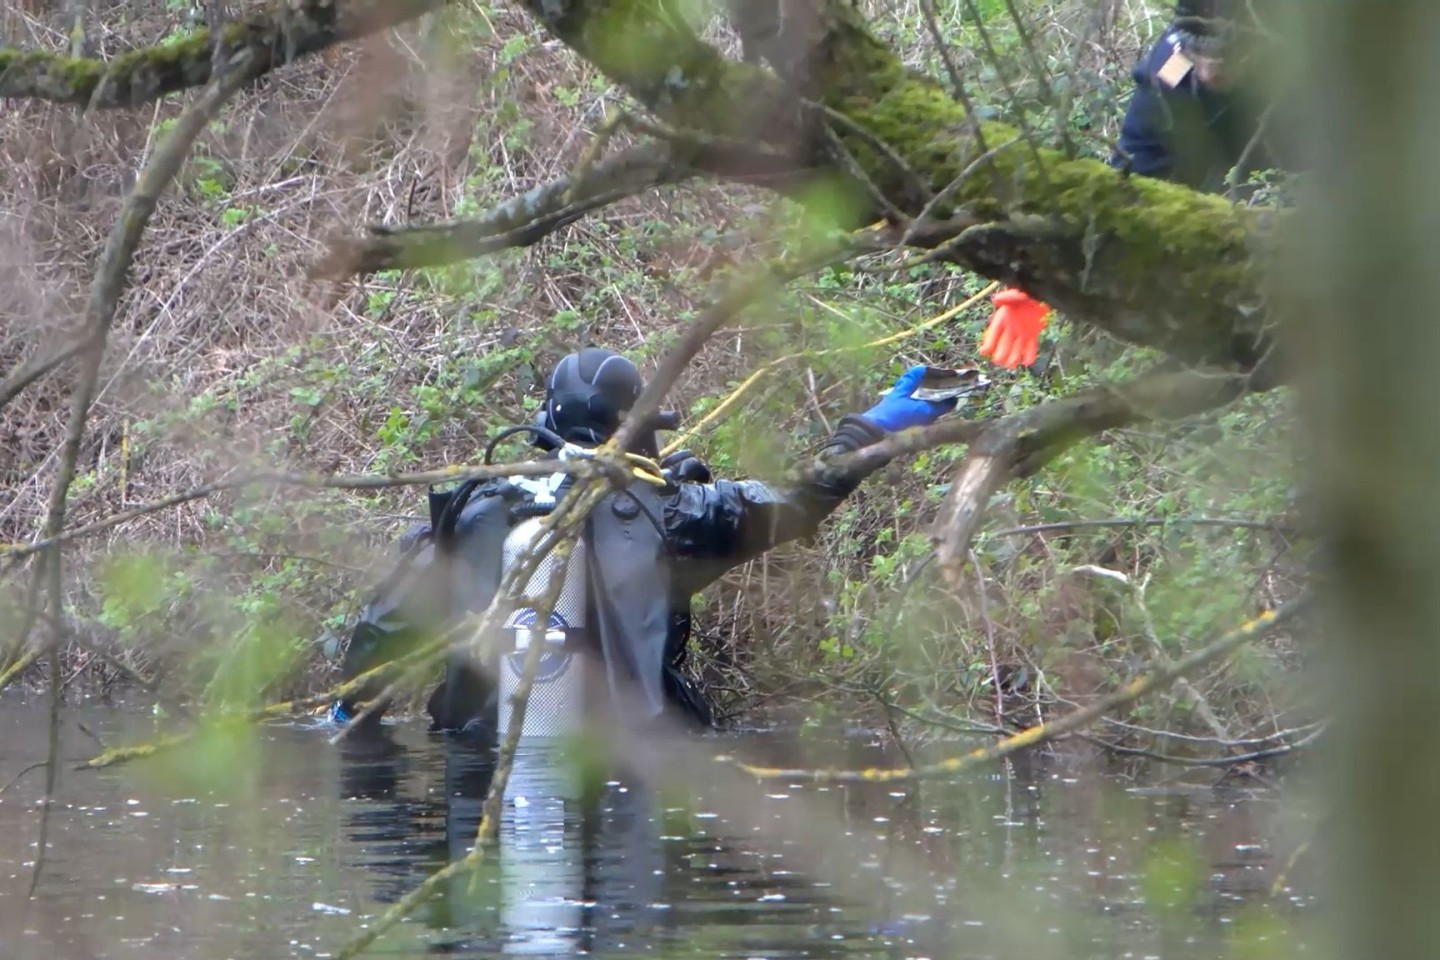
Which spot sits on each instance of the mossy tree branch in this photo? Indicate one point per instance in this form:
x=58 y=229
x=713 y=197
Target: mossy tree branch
x=1152 y=263
x=285 y=31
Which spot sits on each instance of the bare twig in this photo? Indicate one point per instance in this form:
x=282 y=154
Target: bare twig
x=1020 y=444
x=984 y=600
x=1042 y=77
x=740 y=296
x=957 y=86
x=1232 y=176
x=1018 y=113
x=23 y=773
x=1157 y=648
x=1265 y=753
x=1065 y=526
x=1280 y=736
x=312 y=481
x=518 y=222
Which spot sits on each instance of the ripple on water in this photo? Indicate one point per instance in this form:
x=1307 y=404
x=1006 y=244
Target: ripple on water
x=292 y=856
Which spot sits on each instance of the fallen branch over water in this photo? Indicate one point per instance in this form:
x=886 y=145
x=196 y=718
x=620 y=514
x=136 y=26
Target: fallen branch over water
x=1068 y=724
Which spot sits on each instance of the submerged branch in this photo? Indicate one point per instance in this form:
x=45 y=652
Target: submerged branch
x=1069 y=724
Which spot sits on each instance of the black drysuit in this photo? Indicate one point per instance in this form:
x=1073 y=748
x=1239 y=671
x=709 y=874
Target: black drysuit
x=648 y=551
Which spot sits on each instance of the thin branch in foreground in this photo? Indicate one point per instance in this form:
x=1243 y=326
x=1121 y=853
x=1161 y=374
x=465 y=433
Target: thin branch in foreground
x=312 y=481
x=562 y=529
x=1068 y=724
x=111 y=274
x=740 y=296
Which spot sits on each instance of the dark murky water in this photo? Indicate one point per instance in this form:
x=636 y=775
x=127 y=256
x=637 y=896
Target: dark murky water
x=280 y=845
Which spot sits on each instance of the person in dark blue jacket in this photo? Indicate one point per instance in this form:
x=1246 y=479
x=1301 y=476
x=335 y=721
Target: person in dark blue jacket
x=1190 y=121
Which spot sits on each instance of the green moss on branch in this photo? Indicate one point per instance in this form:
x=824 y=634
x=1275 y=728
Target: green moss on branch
x=285 y=31
x=1152 y=263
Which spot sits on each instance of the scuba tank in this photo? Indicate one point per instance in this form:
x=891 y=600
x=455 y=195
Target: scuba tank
x=541 y=858
x=556 y=702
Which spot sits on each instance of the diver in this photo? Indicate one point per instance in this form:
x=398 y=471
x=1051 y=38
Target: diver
x=623 y=613
x=1192 y=119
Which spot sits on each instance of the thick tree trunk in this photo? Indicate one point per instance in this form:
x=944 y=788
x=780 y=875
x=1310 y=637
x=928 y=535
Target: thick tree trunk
x=1368 y=280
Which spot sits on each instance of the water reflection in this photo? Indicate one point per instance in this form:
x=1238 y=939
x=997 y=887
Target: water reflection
x=609 y=870
x=279 y=844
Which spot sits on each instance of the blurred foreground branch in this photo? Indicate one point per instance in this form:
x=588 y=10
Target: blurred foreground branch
x=312 y=481
x=111 y=276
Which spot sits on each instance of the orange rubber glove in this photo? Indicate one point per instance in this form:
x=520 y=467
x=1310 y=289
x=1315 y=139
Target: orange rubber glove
x=1013 y=337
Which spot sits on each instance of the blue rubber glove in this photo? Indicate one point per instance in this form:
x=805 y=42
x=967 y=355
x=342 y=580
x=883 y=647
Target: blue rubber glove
x=899 y=411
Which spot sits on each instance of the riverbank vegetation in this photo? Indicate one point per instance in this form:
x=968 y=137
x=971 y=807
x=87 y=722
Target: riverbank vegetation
x=241 y=346
x=271 y=268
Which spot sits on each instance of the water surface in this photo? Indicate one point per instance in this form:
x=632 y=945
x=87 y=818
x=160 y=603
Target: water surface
x=282 y=845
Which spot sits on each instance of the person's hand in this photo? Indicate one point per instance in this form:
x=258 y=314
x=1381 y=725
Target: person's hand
x=683 y=466
x=1013 y=337
x=897 y=410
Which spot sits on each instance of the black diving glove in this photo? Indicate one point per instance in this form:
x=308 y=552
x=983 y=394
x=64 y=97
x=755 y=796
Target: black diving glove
x=683 y=466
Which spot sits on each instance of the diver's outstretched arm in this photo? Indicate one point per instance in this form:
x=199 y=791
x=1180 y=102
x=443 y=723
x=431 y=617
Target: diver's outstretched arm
x=733 y=521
